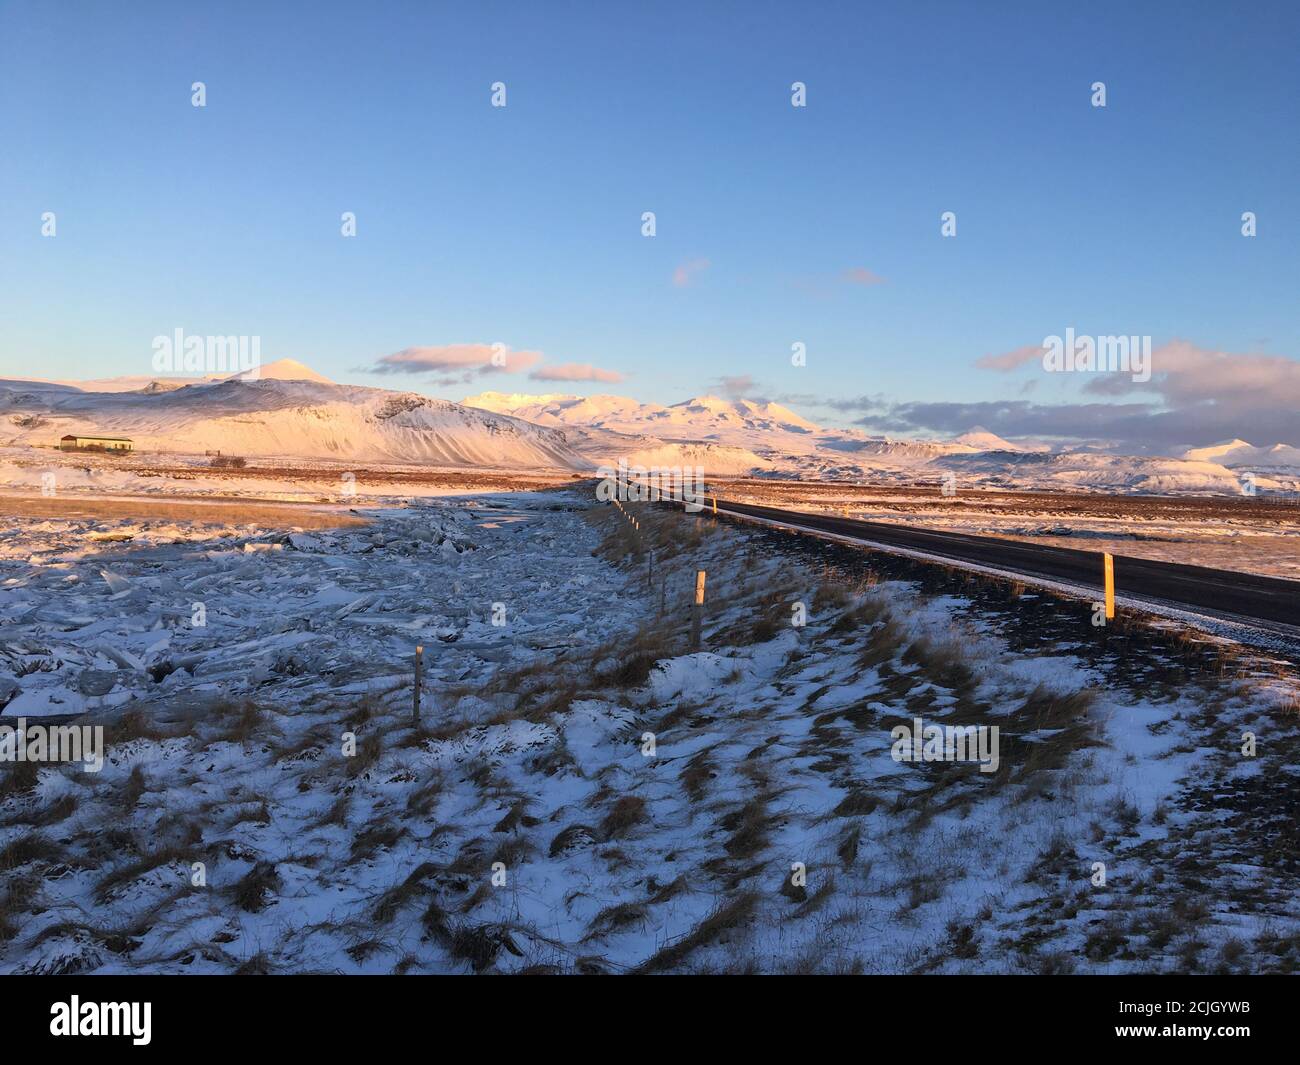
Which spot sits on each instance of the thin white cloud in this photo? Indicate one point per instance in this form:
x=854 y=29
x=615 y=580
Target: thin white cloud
x=739 y=387
x=860 y=275
x=1011 y=360
x=685 y=274
x=575 y=371
x=473 y=358
x=1195 y=396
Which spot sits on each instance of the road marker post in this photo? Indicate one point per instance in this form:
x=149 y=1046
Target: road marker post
x=697 y=611
x=419 y=677
x=1108 y=570
x=715 y=504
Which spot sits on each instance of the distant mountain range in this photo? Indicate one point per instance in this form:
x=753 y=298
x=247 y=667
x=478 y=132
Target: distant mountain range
x=291 y=411
x=767 y=439
x=1235 y=453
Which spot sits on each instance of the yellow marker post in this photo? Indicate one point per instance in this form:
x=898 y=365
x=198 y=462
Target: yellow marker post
x=697 y=611
x=1108 y=566
x=715 y=504
x=419 y=677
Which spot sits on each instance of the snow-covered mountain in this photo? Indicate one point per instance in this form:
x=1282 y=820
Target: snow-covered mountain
x=1236 y=453
x=282 y=370
x=980 y=439
x=288 y=411
x=772 y=436
x=726 y=439
x=731 y=437
x=732 y=422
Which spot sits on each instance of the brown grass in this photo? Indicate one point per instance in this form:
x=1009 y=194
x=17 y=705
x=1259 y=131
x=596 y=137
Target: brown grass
x=615 y=918
x=32 y=847
x=253 y=891
x=404 y=892
x=728 y=916
x=17 y=898
x=883 y=645
x=697 y=773
x=146 y=863
x=571 y=837
x=748 y=827
x=235 y=722
x=373 y=839
x=18 y=778
x=368 y=752
x=942 y=663
x=623 y=816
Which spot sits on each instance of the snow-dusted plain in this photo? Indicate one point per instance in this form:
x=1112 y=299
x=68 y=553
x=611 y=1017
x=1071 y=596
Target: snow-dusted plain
x=585 y=794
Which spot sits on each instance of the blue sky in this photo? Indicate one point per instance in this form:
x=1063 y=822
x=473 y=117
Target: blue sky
x=522 y=224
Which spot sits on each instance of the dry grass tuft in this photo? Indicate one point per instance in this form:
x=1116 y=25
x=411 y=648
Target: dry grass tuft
x=368 y=752
x=614 y=919
x=25 y=849
x=883 y=645
x=146 y=863
x=623 y=816
x=18 y=778
x=398 y=896
x=373 y=839
x=254 y=890
x=942 y=663
x=697 y=773
x=19 y=894
x=571 y=838
x=727 y=918
x=748 y=827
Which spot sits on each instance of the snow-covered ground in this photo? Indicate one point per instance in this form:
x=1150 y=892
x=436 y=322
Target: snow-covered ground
x=30 y=471
x=584 y=793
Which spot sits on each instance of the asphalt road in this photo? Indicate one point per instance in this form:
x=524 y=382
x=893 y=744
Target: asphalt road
x=1267 y=601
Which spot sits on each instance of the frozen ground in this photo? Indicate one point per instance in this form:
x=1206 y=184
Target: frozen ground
x=27 y=471
x=585 y=794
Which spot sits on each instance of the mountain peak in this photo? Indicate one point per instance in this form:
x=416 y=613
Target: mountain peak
x=713 y=403
x=282 y=370
x=979 y=437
